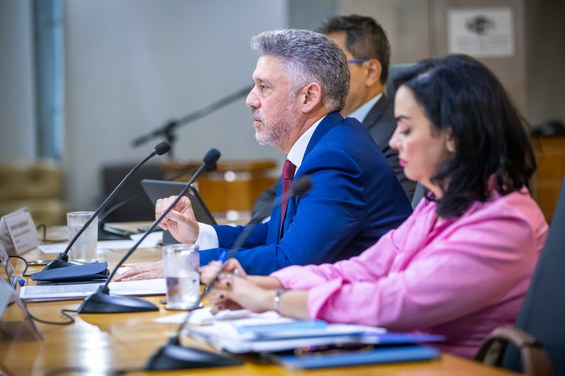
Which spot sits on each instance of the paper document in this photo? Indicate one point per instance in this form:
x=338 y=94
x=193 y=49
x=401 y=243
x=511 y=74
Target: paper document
x=206 y=317
x=244 y=331
x=55 y=292
x=151 y=241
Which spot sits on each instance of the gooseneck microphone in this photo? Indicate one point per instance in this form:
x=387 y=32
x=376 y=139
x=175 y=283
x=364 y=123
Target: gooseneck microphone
x=101 y=301
x=173 y=355
x=62 y=259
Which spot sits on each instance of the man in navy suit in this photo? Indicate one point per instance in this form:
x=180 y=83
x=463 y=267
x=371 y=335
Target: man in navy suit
x=367 y=49
x=301 y=83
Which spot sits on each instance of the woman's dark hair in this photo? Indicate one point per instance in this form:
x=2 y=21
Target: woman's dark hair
x=463 y=97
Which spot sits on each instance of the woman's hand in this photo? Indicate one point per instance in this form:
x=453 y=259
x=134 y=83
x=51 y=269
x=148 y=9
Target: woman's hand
x=146 y=270
x=209 y=272
x=236 y=292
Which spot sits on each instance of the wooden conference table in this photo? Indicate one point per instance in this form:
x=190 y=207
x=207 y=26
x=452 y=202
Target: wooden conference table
x=98 y=344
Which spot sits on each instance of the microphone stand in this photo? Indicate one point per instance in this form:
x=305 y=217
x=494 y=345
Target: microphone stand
x=167 y=130
x=62 y=258
x=173 y=355
x=101 y=301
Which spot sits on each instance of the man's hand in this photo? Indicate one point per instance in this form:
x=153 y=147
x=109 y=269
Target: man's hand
x=180 y=221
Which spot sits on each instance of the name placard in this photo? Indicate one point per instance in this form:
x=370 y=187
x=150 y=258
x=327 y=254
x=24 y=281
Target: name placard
x=15 y=319
x=7 y=272
x=18 y=233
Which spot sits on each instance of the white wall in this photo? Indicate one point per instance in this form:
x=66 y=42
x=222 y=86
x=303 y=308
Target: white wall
x=419 y=30
x=131 y=65
x=17 y=112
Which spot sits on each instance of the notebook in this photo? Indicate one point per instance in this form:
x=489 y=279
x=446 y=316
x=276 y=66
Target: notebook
x=157 y=189
x=70 y=291
x=379 y=355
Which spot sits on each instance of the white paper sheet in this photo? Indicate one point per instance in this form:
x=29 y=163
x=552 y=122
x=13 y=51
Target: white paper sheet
x=152 y=240
x=65 y=292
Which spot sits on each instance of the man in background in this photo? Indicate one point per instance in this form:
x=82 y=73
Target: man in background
x=367 y=50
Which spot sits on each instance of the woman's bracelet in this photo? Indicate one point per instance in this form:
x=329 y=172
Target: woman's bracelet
x=277 y=300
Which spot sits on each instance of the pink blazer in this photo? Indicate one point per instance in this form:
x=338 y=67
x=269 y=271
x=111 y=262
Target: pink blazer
x=460 y=278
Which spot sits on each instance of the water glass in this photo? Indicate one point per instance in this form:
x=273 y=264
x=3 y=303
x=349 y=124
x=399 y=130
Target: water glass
x=181 y=263
x=84 y=248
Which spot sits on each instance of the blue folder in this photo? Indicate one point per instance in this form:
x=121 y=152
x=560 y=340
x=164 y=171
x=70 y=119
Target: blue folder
x=75 y=273
x=379 y=355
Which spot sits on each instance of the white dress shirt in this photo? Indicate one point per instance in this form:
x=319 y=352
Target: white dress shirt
x=361 y=112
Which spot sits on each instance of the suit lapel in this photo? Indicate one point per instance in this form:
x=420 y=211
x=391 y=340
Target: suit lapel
x=377 y=112
x=331 y=120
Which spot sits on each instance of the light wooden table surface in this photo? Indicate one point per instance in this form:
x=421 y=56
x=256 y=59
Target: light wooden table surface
x=98 y=344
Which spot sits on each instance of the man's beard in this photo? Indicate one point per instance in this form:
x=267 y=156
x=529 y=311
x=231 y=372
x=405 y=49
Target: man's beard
x=274 y=133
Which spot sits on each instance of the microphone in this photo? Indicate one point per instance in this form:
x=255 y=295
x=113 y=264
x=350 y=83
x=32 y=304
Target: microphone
x=173 y=355
x=62 y=259
x=101 y=301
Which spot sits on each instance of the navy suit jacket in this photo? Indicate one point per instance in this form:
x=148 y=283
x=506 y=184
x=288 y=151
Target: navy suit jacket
x=381 y=125
x=355 y=198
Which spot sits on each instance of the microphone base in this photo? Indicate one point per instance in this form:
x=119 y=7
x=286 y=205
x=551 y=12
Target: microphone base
x=56 y=264
x=101 y=302
x=174 y=356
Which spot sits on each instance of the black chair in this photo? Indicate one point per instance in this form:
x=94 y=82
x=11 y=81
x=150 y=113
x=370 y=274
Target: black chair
x=538 y=337
x=393 y=71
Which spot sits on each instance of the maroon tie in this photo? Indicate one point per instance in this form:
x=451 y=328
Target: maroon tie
x=287 y=176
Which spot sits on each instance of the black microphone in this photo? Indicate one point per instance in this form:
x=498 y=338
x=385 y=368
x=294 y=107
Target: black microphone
x=101 y=301
x=173 y=355
x=61 y=261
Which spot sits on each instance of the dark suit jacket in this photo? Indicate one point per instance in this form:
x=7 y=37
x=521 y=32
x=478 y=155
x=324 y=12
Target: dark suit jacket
x=355 y=198
x=381 y=124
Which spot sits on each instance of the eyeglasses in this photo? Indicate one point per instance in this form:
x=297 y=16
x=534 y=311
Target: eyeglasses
x=357 y=60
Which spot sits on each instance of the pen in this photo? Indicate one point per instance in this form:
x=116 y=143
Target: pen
x=222 y=259
x=223 y=256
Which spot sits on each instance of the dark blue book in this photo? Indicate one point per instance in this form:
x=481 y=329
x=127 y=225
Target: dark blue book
x=75 y=273
x=378 y=355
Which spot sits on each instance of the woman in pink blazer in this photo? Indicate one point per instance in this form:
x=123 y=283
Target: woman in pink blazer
x=460 y=265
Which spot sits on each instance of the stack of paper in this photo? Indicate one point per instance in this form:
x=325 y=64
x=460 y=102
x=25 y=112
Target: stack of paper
x=269 y=332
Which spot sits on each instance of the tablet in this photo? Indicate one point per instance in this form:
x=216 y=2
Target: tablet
x=156 y=189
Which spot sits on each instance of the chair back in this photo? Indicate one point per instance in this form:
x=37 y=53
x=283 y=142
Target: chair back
x=543 y=312
x=393 y=71
x=418 y=195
